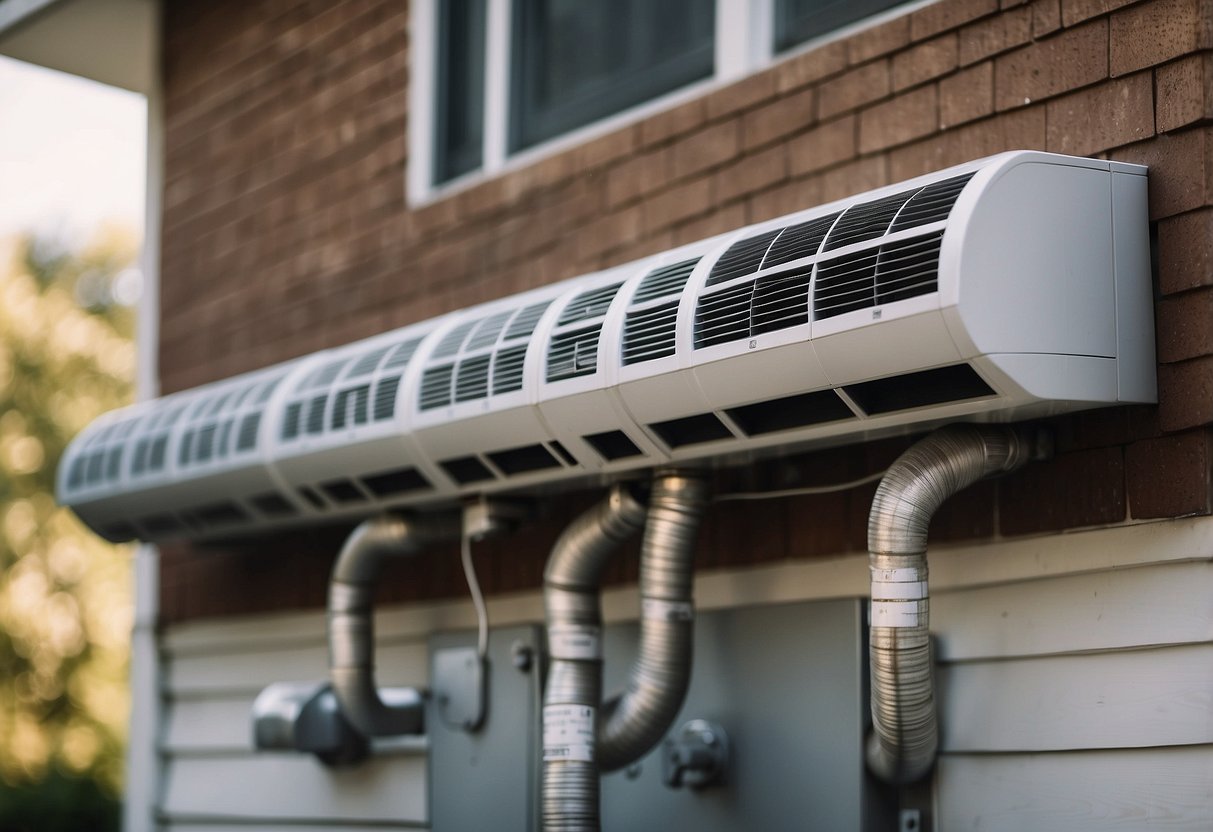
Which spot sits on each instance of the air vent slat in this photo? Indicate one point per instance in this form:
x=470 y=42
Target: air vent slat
x=741 y=258
x=486 y=334
x=667 y=280
x=525 y=321
x=450 y=343
x=385 y=397
x=908 y=268
x=507 y=369
x=866 y=221
x=797 y=241
x=845 y=284
x=932 y=204
x=723 y=316
x=591 y=304
x=780 y=301
x=366 y=364
x=315 y=414
x=649 y=334
x=573 y=354
x=402 y=354
x=247 y=438
x=290 y=422
x=436 y=387
x=472 y=379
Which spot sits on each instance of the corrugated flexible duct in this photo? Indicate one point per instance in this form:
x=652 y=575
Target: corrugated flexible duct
x=351 y=634
x=905 y=736
x=580 y=740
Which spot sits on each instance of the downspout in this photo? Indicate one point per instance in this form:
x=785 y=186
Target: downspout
x=580 y=741
x=351 y=624
x=905 y=736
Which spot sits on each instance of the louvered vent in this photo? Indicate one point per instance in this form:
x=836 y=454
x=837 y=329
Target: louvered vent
x=526 y=320
x=453 y=340
x=866 y=221
x=741 y=258
x=861 y=280
x=723 y=316
x=780 y=301
x=932 y=204
x=507 y=370
x=648 y=328
x=486 y=334
x=574 y=353
x=366 y=364
x=797 y=241
x=436 y=387
x=472 y=379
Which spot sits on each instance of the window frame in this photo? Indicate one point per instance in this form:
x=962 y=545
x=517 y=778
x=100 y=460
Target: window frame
x=744 y=45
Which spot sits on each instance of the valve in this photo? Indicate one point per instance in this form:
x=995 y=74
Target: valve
x=696 y=756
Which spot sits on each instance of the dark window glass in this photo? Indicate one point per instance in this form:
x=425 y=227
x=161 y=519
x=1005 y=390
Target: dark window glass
x=576 y=61
x=799 y=20
x=460 y=102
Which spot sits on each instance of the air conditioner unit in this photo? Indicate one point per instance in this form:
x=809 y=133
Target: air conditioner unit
x=1011 y=287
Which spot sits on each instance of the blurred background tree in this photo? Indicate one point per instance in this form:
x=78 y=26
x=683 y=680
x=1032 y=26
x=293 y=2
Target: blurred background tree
x=66 y=355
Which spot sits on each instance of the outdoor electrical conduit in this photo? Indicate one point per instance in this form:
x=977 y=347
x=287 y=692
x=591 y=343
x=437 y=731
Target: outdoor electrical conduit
x=581 y=736
x=905 y=736
x=350 y=620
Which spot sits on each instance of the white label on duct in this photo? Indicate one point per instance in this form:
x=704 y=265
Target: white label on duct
x=568 y=733
x=656 y=608
x=896 y=614
x=901 y=575
x=579 y=642
x=882 y=591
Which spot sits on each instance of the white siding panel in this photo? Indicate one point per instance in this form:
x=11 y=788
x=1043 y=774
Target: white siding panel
x=1154 y=790
x=284 y=787
x=209 y=725
x=1128 y=699
x=1136 y=607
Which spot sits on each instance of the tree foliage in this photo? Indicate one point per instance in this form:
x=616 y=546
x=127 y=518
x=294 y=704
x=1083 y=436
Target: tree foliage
x=65 y=597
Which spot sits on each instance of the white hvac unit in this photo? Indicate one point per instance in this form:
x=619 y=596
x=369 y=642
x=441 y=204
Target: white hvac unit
x=1007 y=288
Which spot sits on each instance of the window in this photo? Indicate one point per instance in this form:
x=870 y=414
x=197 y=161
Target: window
x=506 y=80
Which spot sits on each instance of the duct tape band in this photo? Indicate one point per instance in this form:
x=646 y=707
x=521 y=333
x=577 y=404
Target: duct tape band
x=912 y=591
x=576 y=642
x=568 y=733
x=903 y=575
x=898 y=614
x=658 y=609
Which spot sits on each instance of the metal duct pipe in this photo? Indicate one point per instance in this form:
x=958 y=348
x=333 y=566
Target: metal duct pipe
x=350 y=620
x=577 y=743
x=905 y=737
x=574 y=683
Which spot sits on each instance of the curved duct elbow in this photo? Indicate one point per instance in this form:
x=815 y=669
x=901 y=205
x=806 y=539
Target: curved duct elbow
x=905 y=737
x=351 y=635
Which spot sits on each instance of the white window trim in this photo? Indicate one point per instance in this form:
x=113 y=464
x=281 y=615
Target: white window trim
x=743 y=46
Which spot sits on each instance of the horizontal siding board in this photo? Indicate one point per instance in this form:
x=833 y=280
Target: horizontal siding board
x=1138 y=607
x=248 y=672
x=1151 y=790
x=286 y=787
x=1130 y=699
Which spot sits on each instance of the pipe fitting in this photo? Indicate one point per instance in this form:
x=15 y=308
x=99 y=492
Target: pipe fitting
x=905 y=732
x=351 y=635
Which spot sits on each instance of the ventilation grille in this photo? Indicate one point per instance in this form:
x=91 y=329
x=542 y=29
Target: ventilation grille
x=219 y=425
x=741 y=258
x=770 y=303
x=797 y=241
x=436 y=386
x=865 y=279
x=648 y=329
x=866 y=221
x=932 y=204
x=574 y=352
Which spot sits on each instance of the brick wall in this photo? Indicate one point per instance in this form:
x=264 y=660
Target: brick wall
x=286 y=231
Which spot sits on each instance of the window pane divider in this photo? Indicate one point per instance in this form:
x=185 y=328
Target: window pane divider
x=497 y=84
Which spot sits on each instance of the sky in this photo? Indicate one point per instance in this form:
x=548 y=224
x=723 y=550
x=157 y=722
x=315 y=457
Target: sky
x=71 y=153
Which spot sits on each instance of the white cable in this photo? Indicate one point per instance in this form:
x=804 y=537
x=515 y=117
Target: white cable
x=482 y=611
x=796 y=492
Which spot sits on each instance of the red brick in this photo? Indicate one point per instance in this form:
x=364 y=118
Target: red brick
x=875 y=41
x=809 y=67
x=708 y=148
x=610 y=230
x=1169 y=476
x=854 y=89
x=779 y=118
x=604 y=149
x=1185 y=251
x=1020 y=129
x=673 y=122
x=793 y=196
x=1155 y=32
x=1046 y=17
x=900 y=120
x=637 y=175
x=827 y=145
x=1076 y=11
x=1184 y=92
x=752 y=173
x=678 y=203
x=993 y=35
x=1179 y=170
x=1103 y=117
x=1185 y=325
x=1084 y=488
x=948 y=14
x=1069 y=60
x=967 y=95
x=742 y=95
x=1185 y=394
x=925 y=61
